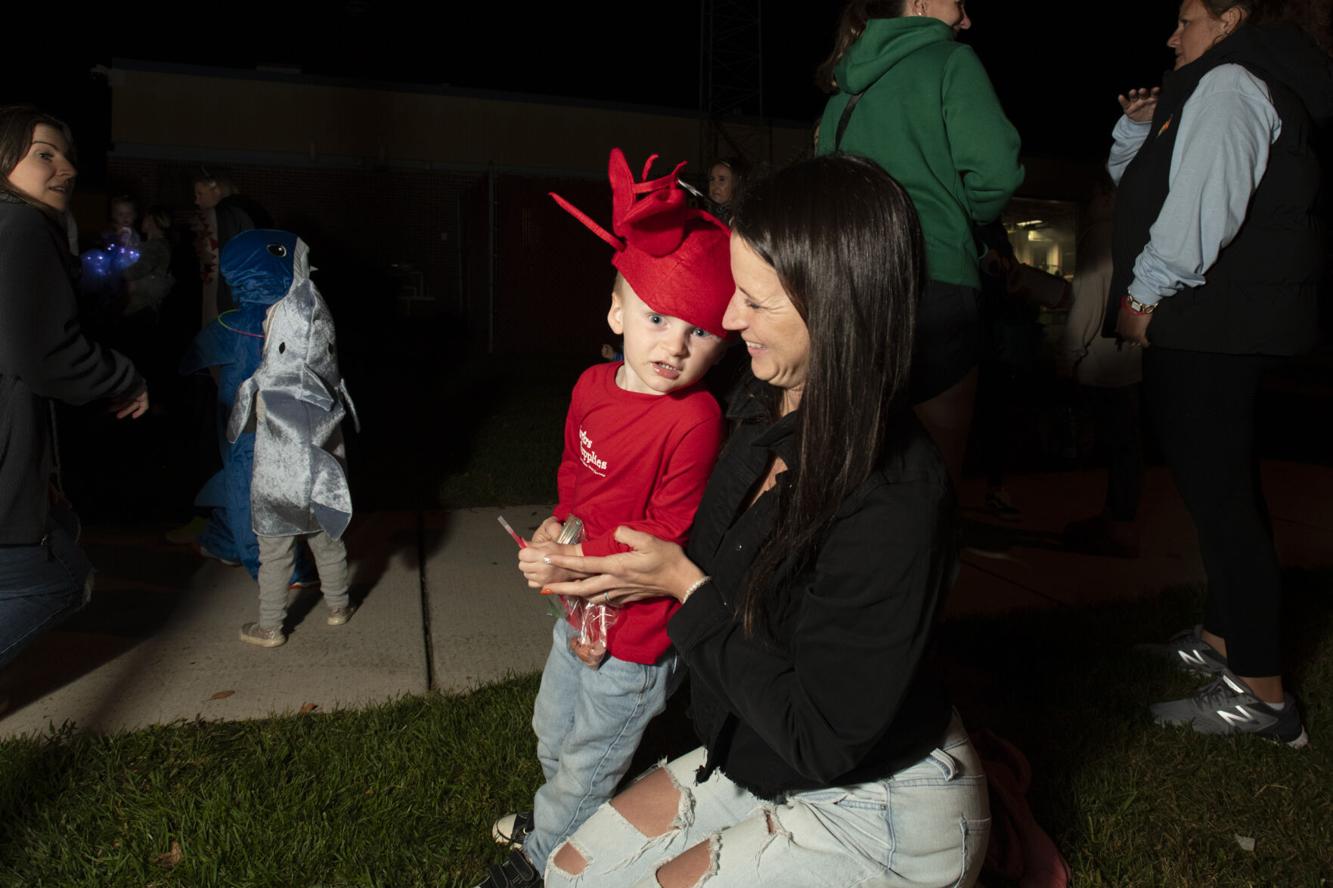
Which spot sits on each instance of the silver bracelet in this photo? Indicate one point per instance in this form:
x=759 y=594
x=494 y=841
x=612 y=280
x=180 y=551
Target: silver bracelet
x=694 y=587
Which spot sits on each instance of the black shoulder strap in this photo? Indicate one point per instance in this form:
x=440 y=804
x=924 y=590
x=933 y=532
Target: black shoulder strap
x=846 y=116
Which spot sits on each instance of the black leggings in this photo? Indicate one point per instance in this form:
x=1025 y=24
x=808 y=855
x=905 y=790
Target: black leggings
x=1203 y=408
x=948 y=339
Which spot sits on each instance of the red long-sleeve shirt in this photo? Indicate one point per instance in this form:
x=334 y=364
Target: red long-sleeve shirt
x=641 y=461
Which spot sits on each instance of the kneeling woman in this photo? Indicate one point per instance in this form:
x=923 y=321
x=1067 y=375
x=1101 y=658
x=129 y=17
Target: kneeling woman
x=818 y=562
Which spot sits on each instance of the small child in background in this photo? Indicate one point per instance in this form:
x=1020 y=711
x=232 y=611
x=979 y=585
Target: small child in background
x=641 y=437
x=149 y=280
x=102 y=285
x=294 y=403
x=123 y=213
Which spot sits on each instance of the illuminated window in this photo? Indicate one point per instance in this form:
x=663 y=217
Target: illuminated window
x=1042 y=233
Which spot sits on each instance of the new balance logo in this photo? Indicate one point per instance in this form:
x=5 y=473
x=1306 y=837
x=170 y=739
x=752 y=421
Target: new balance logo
x=1194 y=657
x=1245 y=717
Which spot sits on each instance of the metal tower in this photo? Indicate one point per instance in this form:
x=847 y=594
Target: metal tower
x=731 y=81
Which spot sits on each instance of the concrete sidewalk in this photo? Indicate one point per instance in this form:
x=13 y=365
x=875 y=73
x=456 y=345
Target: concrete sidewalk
x=442 y=606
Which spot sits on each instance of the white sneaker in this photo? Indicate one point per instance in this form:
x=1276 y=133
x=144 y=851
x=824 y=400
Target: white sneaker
x=512 y=829
x=253 y=633
x=340 y=615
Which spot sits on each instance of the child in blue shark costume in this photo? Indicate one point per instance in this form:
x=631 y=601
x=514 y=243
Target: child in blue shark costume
x=234 y=343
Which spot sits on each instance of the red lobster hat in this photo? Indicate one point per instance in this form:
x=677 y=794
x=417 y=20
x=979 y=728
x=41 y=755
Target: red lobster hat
x=675 y=257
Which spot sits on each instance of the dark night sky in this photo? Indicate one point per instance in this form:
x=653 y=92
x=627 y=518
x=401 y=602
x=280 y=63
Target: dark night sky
x=1056 y=65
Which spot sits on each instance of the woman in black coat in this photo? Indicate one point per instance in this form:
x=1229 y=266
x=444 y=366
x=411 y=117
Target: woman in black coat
x=44 y=357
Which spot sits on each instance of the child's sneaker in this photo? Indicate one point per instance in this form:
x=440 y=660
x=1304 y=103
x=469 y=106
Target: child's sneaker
x=512 y=829
x=1227 y=706
x=515 y=872
x=340 y=615
x=253 y=633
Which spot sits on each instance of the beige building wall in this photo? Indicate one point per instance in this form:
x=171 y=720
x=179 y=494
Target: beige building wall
x=219 y=113
x=191 y=114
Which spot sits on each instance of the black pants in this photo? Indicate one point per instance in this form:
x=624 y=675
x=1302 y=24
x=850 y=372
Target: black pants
x=948 y=339
x=1203 y=408
x=1115 y=416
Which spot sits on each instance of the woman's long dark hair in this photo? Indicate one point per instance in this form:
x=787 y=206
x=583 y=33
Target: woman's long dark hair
x=851 y=24
x=845 y=242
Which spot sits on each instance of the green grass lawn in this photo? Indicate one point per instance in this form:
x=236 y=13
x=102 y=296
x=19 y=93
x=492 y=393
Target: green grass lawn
x=515 y=424
x=399 y=794
x=403 y=794
x=1130 y=803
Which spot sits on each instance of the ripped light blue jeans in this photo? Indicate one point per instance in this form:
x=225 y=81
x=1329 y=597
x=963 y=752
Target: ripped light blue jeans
x=926 y=825
x=588 y=723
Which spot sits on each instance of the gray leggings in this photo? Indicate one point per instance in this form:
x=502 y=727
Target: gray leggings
x=276 y=556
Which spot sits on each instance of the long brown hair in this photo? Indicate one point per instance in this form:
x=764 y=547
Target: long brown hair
x=851 y=25
x=846 y=244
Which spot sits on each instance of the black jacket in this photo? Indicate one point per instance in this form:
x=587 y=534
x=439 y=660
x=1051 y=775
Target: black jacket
x=43 y=356
x=835 y=693
x=1261 y=296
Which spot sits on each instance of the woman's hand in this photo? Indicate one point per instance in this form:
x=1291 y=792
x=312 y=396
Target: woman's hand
x=1140 y=104
x=133 y=406
x=1132 y=326
x=535 y=563
x=652 y=569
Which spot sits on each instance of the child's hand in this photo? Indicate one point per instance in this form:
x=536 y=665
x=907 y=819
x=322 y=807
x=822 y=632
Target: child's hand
x=591 y=654
x=533 y=565
x=548 y=532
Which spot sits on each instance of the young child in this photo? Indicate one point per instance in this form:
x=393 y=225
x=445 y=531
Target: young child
x=294 y=404
x=148 y=281
x=122 y=216
x=231 y=347
x=640 y=440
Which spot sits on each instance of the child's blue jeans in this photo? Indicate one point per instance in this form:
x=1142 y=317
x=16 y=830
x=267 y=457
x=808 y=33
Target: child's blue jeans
x=588 y=723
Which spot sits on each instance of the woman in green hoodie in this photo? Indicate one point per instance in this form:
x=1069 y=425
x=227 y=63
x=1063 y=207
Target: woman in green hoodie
x=908 y=96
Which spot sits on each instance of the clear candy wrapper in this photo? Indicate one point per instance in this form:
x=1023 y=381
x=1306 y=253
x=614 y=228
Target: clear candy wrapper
x=592 y=620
